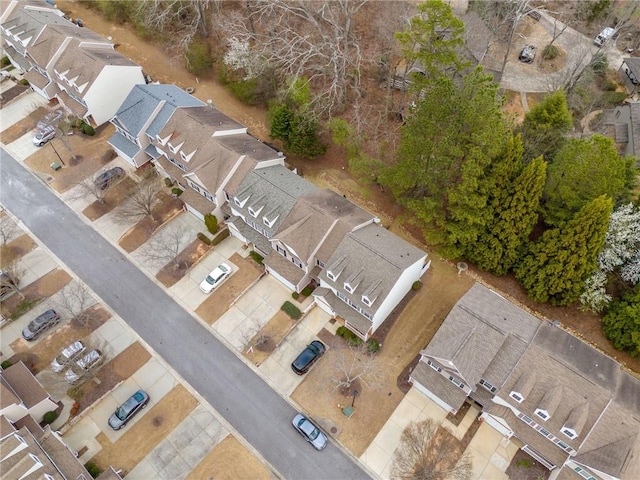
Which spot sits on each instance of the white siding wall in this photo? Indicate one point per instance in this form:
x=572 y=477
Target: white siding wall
x=110 y=89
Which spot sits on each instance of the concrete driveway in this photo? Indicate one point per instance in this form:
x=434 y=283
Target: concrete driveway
x=19 y=108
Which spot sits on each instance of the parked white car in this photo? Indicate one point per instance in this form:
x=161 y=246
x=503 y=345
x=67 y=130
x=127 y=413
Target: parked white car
x=81 y=368
x=44 y=135
x=215 y=278
x=67 y=355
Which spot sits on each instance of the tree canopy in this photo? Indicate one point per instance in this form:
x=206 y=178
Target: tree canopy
x=558 y=264
x=621 y=324
x=582 y=170
x=447 y=144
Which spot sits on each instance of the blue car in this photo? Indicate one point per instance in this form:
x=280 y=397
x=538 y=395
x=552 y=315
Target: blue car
x=128 y=409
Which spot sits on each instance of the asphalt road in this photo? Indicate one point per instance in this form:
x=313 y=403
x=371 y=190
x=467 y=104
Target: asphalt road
x=259 y=414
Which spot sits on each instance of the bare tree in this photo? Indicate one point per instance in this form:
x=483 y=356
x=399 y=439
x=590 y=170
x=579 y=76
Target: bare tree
x=355 y=364
x=312 y=40
x=75 y=300
x=166 y=245
x=9 y=229
x=64 y=128
x=139 y=204
x=254 y=336
x=10 y=280
x=88 y=186
x=429 y=453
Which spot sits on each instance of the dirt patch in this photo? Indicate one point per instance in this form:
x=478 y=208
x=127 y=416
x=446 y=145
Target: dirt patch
x=272 y=334
x=15 y=249
x=35 y=292
x=410 y=333
x=115 y=195
x=165 y=208
x=91 y=153
x=525 y=467
x=24 y=126
x=125 y=364
x=220 y=300
x=187 y=258
x=230 y=460
x=46 y=350
x=153 y=427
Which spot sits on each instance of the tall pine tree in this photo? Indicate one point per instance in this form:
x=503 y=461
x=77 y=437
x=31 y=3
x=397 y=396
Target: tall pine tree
x=558 y=264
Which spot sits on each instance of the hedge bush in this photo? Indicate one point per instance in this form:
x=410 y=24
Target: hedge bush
x=220 y=237
x=342 y=331
x=307 y=291
x=5 y=62
x=93 y=469
x=550 y=52
x=211 y=221
x=417 y=285
x=256 y=257
x=88 y=130
x=295 y=295
x=6 y=364
x=176 y=191
x=373 y=345
x=291 y=310
x=204 y=239
x=168 y=182
x=50 y=417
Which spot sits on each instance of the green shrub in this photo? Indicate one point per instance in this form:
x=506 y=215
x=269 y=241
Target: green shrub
x=168 y=182
x=204 y=239
x=373 y=345
x=75 y=393
x=417 y=285
x=550 y=52
x=50 y=417
x=23 y=307
x=93 y=469
x=295 y=295
x=354 y=341
x=88 y=130
x=24 y=82
x=6 y=364
x=291 y=310
x=256 y=257
x=176 y=191
x=220 y=237
x=611 y=99
x=211 y=221
x=307 y=291
x=341 y=331
x=198 y=58
x=5 y=62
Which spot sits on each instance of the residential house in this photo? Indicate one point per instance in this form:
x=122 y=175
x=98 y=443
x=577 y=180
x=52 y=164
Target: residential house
x=76 y=66
x=622 y=123
x=629 y=74
x=570 y=406
x=22 y=395
x=142 y=115
x=207 y=152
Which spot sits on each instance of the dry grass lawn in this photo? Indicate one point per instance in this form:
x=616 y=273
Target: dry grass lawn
x=274 y=331
x=153 y=427
x=170 y=274
x=15 y=249
x=91 y=152
x=410 y=333
x=220 y=300
x=24 y=126
x=42 y=288
x=230 y=460
x=112 y=198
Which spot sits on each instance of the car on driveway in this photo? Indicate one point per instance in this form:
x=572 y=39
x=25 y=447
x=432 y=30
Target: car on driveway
x=308 y=357
x=128 y=409
x=215 y=278
x=40 y=324
x=105 y=179
x=310 y=432
x=528 y=54
x=67 y=355
x=81 y=368
x=51 y=118
x=44 y=135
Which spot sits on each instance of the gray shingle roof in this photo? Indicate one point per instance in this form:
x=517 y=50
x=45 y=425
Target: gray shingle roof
x=634 y=65
x=123 y=144
x=143 y=100
x=436 y=383
x=24 y=384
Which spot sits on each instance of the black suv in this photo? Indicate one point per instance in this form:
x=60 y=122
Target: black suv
x=105 y=179
x=39 y=324
x=308 y=357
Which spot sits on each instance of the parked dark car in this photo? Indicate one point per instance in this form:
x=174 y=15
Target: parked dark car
x=308 y=357
x=105 y=179
x=128 y=409
x=310 y=432
x=528 y=54
x=39 y=324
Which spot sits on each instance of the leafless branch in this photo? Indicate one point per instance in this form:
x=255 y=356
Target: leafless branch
x=351 y=364
x=166 y=245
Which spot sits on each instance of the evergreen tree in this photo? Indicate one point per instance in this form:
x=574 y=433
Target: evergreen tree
x=545 y=126
x=280 y=122
x=582 y=170
x=558 y=264
x=621 y=324
x=446 y=148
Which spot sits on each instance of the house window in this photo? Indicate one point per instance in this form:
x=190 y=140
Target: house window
x=208 y=196
x=487 y=385
x=455 y=381
x=319 y=263
x=569 y=432
x=434 y=366
x=341 y=296
x=366 y=301
x=281 y=250
x=583 y=473
x=542 y=414
x=252 y=212
x=239 y=203
x=195 y=187
x=296 y=262
x=269 y=223
x=348 y=287
x=526 y=419
x=516 y=396
x=366 y=314
x=161 y=141
x=331 y=276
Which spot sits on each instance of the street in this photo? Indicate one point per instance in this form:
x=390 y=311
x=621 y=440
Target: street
x=232 y=388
